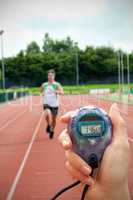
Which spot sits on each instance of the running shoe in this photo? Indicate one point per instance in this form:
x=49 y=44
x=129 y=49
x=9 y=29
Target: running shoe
x=48 y=129
x=51 y=134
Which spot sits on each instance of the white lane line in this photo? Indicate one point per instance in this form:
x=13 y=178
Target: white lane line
x=19 y=173
x=3 y=107
x=14 y=113
x=8 y=103
x=12 y=120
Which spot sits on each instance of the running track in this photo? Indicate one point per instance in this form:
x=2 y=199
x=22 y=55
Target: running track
x=32 y=166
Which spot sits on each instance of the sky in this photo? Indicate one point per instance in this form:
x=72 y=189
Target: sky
x=88 y=22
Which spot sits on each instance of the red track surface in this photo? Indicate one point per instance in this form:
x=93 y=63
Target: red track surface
x=32 y=166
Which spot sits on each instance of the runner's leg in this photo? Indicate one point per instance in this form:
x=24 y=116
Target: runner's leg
x=53 y=121
x=48 y=117
x=54 y=112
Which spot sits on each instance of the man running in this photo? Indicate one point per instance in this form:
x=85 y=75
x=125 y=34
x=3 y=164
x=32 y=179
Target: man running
x=51 y=90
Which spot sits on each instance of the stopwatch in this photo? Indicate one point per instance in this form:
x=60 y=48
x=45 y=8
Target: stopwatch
x=90 y=129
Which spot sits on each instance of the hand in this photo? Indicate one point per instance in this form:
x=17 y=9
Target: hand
x=58 y=92
x=111 y=182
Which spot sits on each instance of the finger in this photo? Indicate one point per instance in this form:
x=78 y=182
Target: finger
x=67 y=117
x=119 y=125
x=65 y=140
x=78 y=163
x=86 y=179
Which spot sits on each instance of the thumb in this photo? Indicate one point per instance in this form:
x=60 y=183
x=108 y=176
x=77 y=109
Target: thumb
x=67 y=117
x=119 y=125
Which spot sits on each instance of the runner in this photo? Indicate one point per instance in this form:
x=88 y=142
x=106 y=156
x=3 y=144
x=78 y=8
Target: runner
x=51 y=90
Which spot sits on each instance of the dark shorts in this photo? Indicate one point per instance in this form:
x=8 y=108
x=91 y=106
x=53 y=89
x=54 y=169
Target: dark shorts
x=54 y=110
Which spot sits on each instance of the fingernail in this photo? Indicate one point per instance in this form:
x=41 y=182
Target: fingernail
x=65 y=143
x=86 y=170
x=89 y=181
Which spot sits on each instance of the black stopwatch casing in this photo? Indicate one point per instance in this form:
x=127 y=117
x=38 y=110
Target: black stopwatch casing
x=90 y=130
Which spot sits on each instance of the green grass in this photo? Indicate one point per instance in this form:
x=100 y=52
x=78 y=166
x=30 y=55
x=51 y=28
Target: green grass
x=84 y=89
x=80 y=89
x=92 y=86
x=70 y=89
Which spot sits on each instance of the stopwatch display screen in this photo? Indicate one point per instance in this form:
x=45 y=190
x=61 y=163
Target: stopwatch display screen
x=91 y=129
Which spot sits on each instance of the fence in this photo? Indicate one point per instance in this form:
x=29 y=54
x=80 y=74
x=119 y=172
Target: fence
x=9 y=96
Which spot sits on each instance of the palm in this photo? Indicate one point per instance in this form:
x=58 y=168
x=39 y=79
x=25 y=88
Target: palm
x=113 y=170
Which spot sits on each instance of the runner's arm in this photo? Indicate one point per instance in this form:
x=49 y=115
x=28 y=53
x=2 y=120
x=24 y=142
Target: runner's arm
x=41 y=89
x=59 y=90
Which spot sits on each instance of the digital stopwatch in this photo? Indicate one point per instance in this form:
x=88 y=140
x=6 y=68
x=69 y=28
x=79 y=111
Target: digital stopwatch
x=90 y=130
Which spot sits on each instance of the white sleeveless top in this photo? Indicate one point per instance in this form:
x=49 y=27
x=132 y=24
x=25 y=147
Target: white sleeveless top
x=50 y=97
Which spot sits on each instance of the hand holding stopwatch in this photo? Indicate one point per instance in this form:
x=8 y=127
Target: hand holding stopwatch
x=90 y=130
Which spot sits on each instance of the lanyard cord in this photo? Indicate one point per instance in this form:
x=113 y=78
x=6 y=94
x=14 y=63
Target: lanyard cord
x=69 y=187
x=65 y=189
x=85 y=189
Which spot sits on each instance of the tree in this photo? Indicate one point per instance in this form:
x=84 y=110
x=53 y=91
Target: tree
x=21 y=54
x=94 y=63
x=65 y=45
x=47 y=43
x=58 y=46
x=33 y=48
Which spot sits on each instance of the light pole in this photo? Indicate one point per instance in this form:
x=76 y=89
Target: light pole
x=77 y=65
x=128 y=76
x=119 y=71
x=2 y=60
x=122 y=72
x=128 y=71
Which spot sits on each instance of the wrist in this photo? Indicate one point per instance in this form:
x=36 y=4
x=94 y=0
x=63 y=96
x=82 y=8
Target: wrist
x=121 y=192
x=113 y=193
x=56 y=92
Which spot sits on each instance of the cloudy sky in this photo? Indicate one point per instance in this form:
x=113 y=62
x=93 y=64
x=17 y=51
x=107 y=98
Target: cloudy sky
x=88 y=22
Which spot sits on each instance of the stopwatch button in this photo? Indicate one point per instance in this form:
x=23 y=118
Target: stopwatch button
x=93 y=160
x=92 y=142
